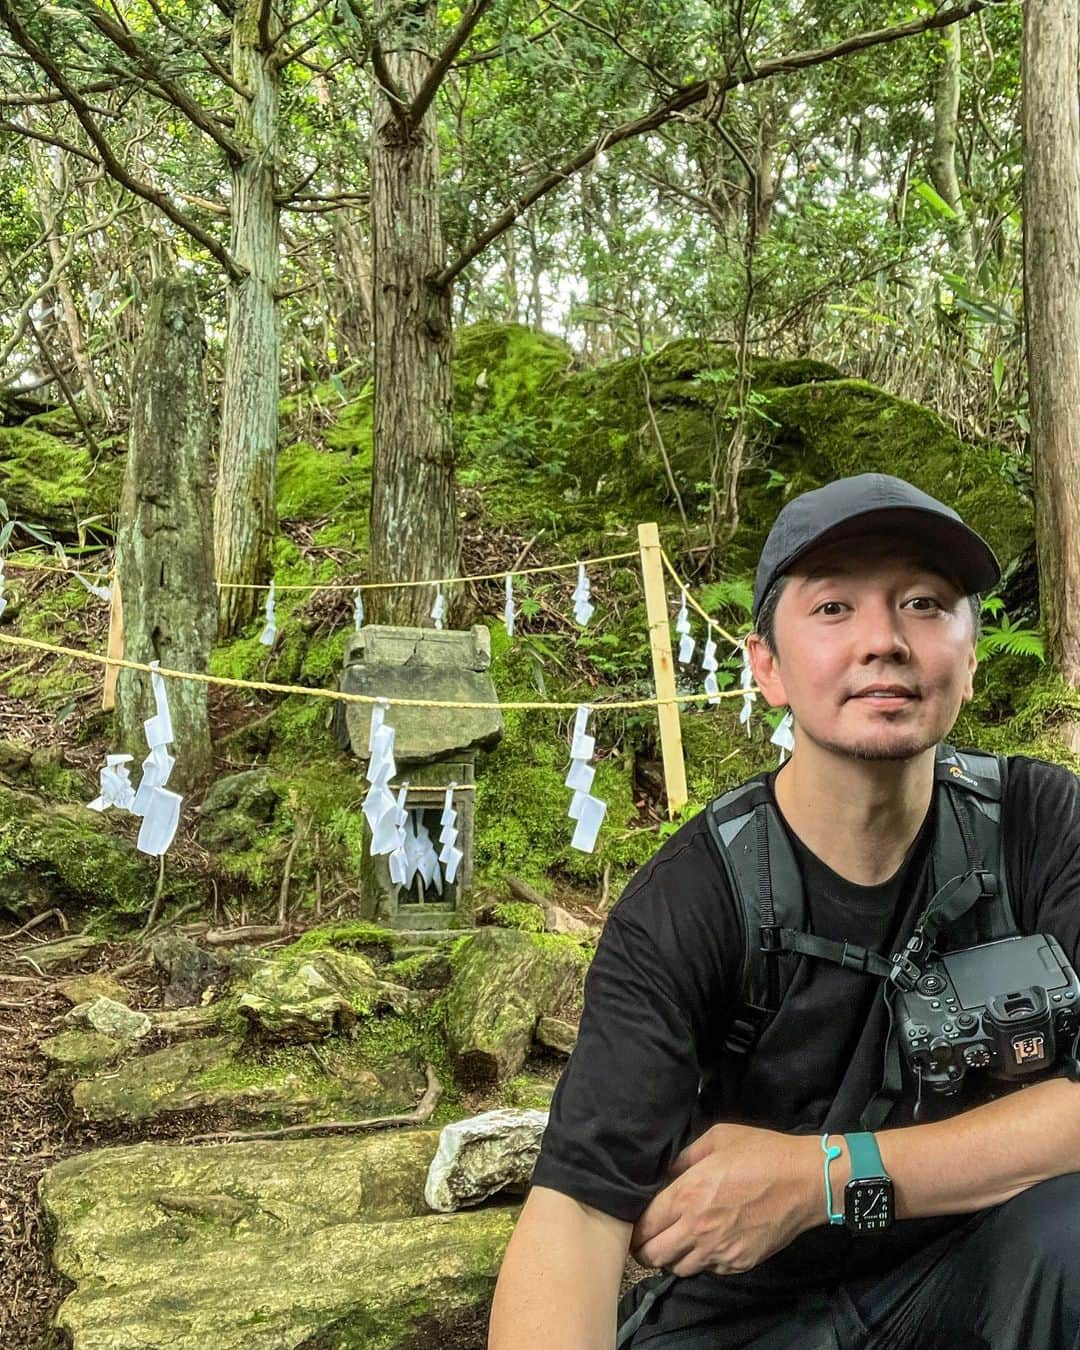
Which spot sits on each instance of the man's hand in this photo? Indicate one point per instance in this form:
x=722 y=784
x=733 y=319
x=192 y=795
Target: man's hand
x=739 y=1195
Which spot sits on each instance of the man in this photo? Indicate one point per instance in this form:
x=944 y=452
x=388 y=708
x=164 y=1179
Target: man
x=865 y=607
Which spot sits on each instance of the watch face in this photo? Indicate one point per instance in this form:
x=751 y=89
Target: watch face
x=868 y=1204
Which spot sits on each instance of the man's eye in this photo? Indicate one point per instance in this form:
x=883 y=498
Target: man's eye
x=834 y=605
x=923 y=601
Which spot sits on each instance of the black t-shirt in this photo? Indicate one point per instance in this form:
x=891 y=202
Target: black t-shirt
x=662 y=984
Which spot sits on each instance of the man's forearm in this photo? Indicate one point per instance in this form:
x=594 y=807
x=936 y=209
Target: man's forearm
x=558 y=1288
x=979 y=1158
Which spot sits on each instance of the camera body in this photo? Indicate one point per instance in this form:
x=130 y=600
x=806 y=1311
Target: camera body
x=1008 y=1007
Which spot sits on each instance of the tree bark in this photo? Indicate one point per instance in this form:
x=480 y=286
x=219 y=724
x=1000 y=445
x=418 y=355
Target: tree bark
x=414 y=529
x=1051 y=129
x=244 y=515
x=943 y=173
x=164 y=555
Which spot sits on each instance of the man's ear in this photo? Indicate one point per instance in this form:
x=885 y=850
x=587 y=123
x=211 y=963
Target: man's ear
x=766 y=668
x=969 y=683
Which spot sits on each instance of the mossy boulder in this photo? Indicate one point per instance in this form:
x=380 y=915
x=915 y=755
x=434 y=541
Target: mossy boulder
x=53 y=481
x=59 y=854
x=306 y=996
x=78 y=1051
x=504 y=982
x=289 y=1084
x=237 y=809
x=267 y=1246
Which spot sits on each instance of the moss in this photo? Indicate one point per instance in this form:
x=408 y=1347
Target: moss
x=53 y=482
x=526 y=1092
x=529 y=918
x=355 y=935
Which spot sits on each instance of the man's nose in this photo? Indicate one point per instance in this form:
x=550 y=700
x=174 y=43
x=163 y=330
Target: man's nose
x=881 y=633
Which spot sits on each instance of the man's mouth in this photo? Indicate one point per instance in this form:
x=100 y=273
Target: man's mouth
x=887 y=693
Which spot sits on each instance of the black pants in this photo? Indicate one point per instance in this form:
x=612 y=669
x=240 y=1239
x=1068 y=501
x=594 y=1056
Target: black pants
x=1007 y=1278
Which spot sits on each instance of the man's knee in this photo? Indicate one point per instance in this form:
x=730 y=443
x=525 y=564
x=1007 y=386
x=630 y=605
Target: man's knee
x=1042 y=1227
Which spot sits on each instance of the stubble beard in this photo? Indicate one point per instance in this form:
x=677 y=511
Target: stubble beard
x=909 y=746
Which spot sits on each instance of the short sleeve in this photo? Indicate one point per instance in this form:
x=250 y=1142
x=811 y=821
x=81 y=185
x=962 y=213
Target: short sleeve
x=1041 y=822
x=623 y=1104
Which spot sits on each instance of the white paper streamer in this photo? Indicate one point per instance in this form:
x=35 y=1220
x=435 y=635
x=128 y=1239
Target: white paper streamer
x=158 y=807
x=583 y=609
x=783 y=736
x=3 y=582
x=438 y=609
x=102 y=592
x=269 y=634
x=746 y=679
x=358 y=608
x=450 y=855
x=587 y=810
x=508 y=608
x=116 y=789
x=682 y=627
x=381 y=811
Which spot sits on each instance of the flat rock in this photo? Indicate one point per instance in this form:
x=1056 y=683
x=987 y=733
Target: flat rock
x=78 y=1051
x=482 y=1155
x=110 y=1018
x=557 y=1034
x=265 y=1246
x=86 y=988
x=223 y=1072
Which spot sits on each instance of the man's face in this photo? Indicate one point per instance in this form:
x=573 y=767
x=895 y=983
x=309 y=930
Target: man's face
x=855 y=616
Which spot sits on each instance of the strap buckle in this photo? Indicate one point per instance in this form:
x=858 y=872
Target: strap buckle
x=906 y=970
x=770 y=938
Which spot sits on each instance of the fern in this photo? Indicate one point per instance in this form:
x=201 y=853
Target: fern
x=737 y=593
x=1011 y=638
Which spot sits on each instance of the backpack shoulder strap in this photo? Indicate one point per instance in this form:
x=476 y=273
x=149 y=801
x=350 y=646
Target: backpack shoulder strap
x=762 y=874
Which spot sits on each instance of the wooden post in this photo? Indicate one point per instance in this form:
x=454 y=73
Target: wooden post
x=116 y=644
x=652 y=576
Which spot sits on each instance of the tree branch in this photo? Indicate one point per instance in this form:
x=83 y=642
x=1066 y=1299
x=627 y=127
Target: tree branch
x=124 y=42
x=58 y=141
x=687 y=98
x=458 y=38
x=24 y=99
x=109 y=160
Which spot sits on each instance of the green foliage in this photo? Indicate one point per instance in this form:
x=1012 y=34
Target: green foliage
x=1005 y=636
x=529 y=918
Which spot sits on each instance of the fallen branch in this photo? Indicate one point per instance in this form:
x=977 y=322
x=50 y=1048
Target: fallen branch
x=256 y=932
x=420 y=1116
x=40 y=918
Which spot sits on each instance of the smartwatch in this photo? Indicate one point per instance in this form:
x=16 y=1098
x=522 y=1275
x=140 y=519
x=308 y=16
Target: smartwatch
x=868 y=1196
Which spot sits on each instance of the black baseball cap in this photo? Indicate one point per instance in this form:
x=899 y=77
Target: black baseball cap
x=870 y=501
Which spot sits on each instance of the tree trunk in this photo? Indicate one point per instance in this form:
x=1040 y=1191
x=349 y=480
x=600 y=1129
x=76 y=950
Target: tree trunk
x=414 y=531
x=1051 y=128
x=352 y=278
x=164 y=556
x=50 y=191
x=943 y=173
x=244 y=515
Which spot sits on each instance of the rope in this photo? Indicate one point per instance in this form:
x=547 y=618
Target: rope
x=736 y=642
x=341 y=697
x=361 y=585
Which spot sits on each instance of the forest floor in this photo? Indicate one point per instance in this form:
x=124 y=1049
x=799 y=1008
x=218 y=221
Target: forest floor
x=39 y=1126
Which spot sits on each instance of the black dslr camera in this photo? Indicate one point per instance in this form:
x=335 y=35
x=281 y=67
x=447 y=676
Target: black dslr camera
x=1010 y=1007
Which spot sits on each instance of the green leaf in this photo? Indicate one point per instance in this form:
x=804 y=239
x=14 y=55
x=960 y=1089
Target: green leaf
x=935 y=201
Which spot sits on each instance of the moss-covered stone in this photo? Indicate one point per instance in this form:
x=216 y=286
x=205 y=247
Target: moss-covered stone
x=305 y=996
x=62 y=853
x=78 y=1051
x=187 y=1246
x=275 y=1085
x=53 y=482
x=503 y=982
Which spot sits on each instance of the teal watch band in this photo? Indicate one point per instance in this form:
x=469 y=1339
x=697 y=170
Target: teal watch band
x=865 y=1156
